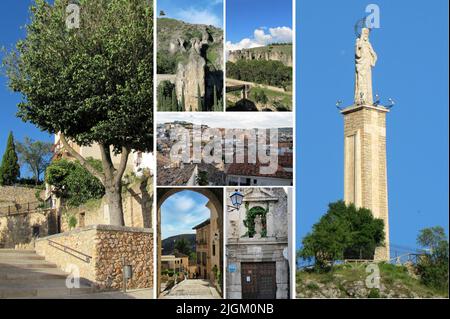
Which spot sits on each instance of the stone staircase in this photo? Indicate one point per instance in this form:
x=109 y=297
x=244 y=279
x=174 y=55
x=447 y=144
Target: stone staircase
x=24 y=274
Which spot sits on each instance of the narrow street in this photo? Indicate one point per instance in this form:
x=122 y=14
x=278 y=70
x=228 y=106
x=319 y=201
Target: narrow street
x=193 y=289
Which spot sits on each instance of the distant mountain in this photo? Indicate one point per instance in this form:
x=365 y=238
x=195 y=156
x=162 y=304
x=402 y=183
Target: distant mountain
x=169 y=243
x=271 y=52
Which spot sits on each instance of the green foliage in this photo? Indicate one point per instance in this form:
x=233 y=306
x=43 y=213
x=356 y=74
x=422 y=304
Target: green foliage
x=182 y=246
x=167 y=98
x=374 y=293
x=166 y=63
x=343 y=232
x=272 y=73
x=94 y=83
x=36 y=154
x=259 y=96
x=73 y=183
x=72 y=221
x=433 y=265
x=249 y=221
x=202 y=178
x=9 y=169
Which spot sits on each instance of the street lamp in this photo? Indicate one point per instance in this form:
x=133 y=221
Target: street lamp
x=236 y=200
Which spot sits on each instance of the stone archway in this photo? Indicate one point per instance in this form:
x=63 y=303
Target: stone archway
x=215 y=205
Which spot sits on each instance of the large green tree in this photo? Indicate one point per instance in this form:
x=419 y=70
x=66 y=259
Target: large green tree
x=9 y=169
x=93 y=84
x=36 y=154
x=343 y=232
x=433 y=265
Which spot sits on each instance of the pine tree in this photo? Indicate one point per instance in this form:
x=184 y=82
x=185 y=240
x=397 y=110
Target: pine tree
x=9 y=169
x=199 y=99
x=174 y=102
x=182 y=106
x=215 y=98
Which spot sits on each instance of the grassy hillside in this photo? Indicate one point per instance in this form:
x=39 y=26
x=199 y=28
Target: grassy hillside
x=349 y=282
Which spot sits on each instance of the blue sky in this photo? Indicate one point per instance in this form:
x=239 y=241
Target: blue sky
x=194 y=11
x=412 y=47
x=182 y=211
x=252 y=23
x=13 y=15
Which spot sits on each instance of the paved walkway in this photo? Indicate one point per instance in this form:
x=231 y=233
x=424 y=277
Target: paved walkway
x=130 y=294
x=192 y=289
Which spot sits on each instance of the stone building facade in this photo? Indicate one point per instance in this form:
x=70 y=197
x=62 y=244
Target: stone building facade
x=257 y=245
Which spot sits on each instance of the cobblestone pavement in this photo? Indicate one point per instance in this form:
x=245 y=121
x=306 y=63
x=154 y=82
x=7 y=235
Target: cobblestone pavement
x=192 y=289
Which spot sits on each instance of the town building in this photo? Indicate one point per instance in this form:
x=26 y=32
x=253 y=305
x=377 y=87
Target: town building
x=257 y=245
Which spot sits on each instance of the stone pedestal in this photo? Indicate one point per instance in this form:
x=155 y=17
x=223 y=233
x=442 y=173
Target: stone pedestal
x=365 y=173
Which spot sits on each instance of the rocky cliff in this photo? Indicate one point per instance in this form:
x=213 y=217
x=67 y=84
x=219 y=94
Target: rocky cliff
x=194 y=54
x=275 y=52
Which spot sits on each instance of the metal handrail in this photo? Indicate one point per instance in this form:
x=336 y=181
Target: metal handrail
x=70 y=251
x=24 y=207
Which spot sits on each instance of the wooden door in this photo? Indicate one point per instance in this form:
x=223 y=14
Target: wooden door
x=258 y=280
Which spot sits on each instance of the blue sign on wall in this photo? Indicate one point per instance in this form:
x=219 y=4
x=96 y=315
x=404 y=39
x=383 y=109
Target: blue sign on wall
x=232 y=268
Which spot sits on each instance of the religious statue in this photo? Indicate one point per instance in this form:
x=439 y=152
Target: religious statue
x=365 y=59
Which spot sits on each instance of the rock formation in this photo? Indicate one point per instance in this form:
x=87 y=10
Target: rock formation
x=282 y=53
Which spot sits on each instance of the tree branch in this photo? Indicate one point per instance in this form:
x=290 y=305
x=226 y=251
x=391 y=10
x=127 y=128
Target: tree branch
x=81 y=159
x=122 y=165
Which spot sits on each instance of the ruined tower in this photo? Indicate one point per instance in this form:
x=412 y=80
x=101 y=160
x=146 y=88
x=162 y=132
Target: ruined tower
x=365 y=172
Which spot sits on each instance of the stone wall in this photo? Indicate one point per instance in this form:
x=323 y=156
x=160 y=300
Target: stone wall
x=11 y=195
x=99 y=253
x=17 y=228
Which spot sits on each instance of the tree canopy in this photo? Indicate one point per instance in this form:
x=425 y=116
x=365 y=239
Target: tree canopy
x=433 y=265
x=343 y=232
x=36 y=154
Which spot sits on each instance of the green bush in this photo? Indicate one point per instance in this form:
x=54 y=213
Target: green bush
x=433 y=265
x=73 y=183
x=374 y=293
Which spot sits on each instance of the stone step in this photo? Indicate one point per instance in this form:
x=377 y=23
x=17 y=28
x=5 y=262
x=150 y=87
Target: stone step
x=44 y=292
x=37 y=284
x=16 y=251
x=15 y=274
x=10 y=256
x=25 y=264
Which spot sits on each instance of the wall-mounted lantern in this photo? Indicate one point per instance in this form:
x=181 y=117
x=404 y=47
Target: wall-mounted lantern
x=236 y=200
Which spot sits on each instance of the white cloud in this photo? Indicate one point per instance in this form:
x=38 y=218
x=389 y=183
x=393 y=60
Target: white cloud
x=281 y=34
x=231 y=119
x=261 y=38
x=196 y=16
x=184 y=203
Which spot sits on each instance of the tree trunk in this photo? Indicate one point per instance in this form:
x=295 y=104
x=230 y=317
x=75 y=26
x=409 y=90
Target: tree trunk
x=114 y=202
x=110 y=178
x=113 y=184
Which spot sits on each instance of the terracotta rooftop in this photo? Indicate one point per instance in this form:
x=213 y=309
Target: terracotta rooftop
x=250 y=169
